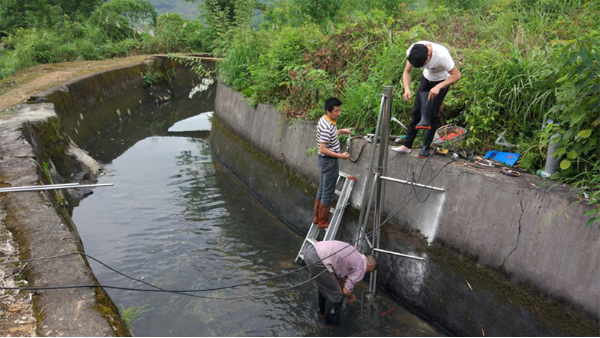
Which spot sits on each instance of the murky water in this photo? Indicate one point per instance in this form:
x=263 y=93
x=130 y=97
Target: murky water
x=176 y=218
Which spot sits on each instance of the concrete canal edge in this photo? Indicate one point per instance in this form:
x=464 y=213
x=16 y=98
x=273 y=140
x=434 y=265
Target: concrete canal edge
x=41 y=142
x=521 y=241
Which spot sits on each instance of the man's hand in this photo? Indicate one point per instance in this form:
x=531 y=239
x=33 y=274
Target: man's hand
x=407 y=95
x=349 y=296
x=433 y=93
x=345 y=156
x=345 y=131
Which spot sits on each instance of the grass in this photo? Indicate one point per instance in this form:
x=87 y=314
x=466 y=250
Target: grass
x=132 y=314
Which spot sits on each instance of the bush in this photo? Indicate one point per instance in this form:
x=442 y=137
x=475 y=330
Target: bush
x=515 y=72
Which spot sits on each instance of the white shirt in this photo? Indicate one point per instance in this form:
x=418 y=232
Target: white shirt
x=437 y=69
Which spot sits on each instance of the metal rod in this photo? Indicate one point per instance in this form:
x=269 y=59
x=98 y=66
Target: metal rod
x=364 y=214
x=382 y=166
x=55 y=187
x=363 y=227
x=411 y=183
x=37 y=186
x=399 y=254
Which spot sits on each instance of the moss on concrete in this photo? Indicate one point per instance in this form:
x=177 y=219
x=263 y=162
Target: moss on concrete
x=266 y=160
x=550 y=312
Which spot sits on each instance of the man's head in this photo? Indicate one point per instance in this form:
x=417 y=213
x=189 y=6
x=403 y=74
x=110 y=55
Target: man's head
x=419 y=55
x=371 y=263
x=333 y=108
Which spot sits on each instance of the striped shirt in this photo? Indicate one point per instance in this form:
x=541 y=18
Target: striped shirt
x=327 y=133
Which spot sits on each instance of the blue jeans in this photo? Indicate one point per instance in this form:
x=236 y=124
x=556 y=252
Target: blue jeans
x=330 y=170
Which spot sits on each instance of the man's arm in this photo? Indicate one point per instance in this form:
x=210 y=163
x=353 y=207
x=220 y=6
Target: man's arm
x=454 y=76
x=325 y=151
x=406 y=81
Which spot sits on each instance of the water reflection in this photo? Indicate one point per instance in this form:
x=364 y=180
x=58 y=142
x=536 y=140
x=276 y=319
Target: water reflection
x=179 y=220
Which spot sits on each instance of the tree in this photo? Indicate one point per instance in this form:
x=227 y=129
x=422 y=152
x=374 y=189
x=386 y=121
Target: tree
x=121 y=18
x=222 y=15
x=77 y=7
x=26 y=13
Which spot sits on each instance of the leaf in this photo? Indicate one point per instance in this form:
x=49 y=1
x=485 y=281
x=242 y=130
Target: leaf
x=585 y=133
x=565 y=164
x=559 y=152
x=591 y=221
x=572 y=154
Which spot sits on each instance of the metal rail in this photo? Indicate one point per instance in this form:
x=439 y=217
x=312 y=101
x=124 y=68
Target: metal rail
x=54 y=187
x=412 y=183
x=399 y=254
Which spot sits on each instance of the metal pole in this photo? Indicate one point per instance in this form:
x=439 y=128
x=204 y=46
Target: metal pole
x=382 y=168
x=364 y=214
x=412 y=183
x=363 y=227
x=399 y=254
x=26 y=187
x=54 y=187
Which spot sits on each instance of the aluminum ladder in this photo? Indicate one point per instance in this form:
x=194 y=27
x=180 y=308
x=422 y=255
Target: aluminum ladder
x=336 y=219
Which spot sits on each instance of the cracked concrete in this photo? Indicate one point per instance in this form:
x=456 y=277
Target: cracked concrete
x=492 y=217
x=518 y=236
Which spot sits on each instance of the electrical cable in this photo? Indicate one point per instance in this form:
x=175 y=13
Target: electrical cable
x=186 y=292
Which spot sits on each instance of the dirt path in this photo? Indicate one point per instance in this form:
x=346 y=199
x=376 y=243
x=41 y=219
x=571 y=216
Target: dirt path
x=17 y=88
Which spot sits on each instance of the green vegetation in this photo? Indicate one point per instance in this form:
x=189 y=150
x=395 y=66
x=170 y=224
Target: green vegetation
x=522 y=61
x=49 y=31
x=132 y=314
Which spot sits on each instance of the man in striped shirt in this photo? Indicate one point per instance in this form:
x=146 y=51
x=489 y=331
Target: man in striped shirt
x=329 y=152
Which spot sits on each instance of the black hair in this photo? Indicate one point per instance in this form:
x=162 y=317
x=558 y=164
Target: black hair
x=418 y=55
x=331 y=103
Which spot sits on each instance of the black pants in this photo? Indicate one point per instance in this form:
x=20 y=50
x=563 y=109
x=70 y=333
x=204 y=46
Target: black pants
x=425 y=86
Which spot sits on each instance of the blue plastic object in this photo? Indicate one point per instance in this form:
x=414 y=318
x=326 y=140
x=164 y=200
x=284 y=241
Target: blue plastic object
x=502 y=157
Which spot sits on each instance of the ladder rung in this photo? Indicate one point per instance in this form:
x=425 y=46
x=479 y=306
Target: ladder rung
x=312 y=241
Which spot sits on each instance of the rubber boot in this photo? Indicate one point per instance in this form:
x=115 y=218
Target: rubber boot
x=324 y=216
x=322 y=302
x=317 y=204
x=333 y=312
x=425 y=152
x=426 y=105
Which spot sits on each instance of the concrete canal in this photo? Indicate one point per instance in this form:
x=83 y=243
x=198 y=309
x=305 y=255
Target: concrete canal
x=177 y=218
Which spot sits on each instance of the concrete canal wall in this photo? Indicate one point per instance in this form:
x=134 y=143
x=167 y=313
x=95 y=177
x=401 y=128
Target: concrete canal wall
x=41 y=142
x=506 y=256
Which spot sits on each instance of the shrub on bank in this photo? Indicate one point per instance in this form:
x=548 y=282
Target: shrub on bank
x=522 y=61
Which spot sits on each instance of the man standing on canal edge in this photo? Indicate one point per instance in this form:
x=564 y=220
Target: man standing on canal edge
x=337 y=267
x=439 y=72
x=329 y=152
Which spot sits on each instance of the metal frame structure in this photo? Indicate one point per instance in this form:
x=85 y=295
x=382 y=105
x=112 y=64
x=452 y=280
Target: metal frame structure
x=336 y=219
x=377 y=188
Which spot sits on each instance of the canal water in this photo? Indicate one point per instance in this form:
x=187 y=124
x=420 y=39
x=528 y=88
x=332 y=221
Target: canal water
x=178 y=219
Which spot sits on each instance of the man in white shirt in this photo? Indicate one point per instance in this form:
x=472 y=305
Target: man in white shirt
x=439 y=72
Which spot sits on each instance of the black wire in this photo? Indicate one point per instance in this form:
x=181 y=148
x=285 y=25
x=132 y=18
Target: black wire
x=186 y=292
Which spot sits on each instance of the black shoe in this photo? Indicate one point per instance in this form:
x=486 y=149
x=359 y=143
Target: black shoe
x=425 y=122
x=322 y=302
x=425 y=152
x=333 y=312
